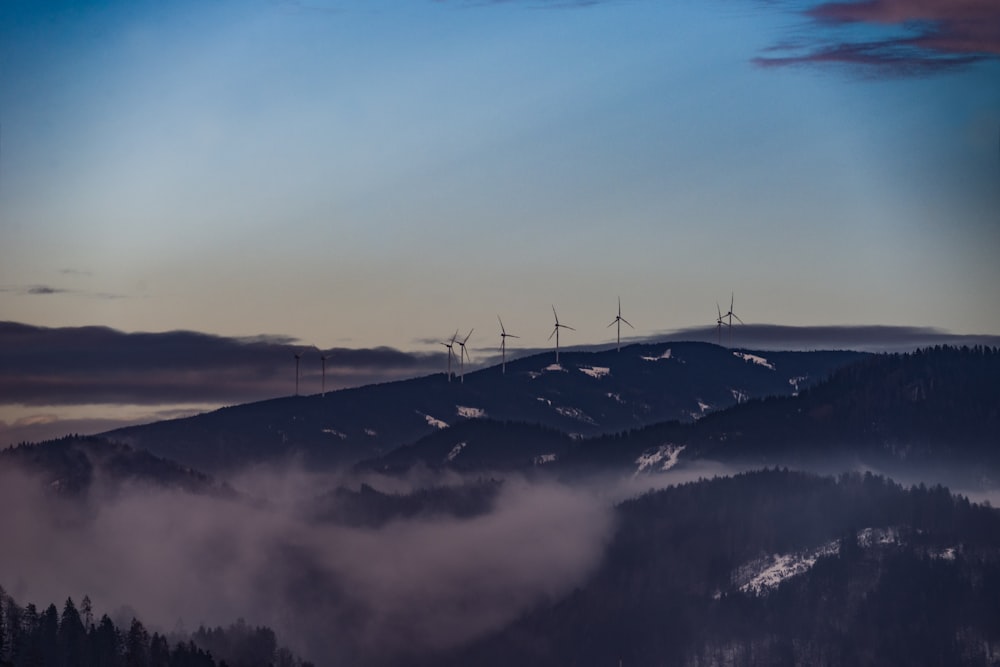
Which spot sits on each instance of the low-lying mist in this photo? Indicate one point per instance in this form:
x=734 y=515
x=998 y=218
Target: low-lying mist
x=332 y=592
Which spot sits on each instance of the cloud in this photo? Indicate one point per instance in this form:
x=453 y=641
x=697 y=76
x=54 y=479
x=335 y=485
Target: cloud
x=94 y=365
x=33 y=290
x=870 y=338
x=341 y=595
x=916 y=36
x=44 y=290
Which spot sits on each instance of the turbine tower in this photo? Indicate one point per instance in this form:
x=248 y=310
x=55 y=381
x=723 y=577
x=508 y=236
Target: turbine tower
x=503 y=346
x=731 y=315
x=451 y=352
x=555 y=331
x=298 y=355
x=618 y=320
x=464 y=354
x=718 y=324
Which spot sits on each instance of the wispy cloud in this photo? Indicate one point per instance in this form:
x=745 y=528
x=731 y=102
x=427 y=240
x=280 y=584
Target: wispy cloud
x=46 y=290
x=902 y=37
x=94 y=365
x=869 y=338
x=33 y=290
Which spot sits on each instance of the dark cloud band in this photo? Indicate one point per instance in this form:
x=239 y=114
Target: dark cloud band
x=88 y=365
x=918 y=37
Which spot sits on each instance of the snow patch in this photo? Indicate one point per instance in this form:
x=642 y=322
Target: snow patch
x=533 y=374
x=944 y=554
x=796 y=381
x=335 y=432
x=575 y=413
x=370 y=432
x=739 y=395
x=595 y=371
x=664 y=456
x=667 y=354
x=436 y=423
x=615 y=397
x=869 y=537
x=760 y=361
x=703 y=406
x=765 y=574
x=455 y=451
x=554 y=367
x=543 y=400
x=470 y=413
x=545 y=458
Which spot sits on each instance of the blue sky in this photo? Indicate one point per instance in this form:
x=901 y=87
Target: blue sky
x=360 y=174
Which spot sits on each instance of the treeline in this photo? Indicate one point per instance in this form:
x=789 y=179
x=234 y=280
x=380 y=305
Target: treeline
x=668 y=590
x=73 y=638
x=372 y=508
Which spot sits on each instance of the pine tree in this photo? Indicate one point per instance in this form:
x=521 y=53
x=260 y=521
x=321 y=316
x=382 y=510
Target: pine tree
x=137 y=645
x=106 y=644
x=72 y=637
x=87 y=610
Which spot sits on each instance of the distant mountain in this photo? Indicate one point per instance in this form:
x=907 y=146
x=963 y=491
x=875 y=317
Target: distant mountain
x=927 y=407
x=940 y=405
x=73 y=465
x=372 y=508
x=589 y=393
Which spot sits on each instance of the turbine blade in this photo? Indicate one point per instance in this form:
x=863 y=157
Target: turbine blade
x=466 y=340
x=502 y=330
x=627 y=322
x=555 y=314
x=553 y=333
x=613 y=322
x=564 y=326
x=512 y=336
x=737 y=318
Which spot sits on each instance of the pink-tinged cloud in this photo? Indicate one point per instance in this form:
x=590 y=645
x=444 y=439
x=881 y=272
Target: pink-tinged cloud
x=921 y=35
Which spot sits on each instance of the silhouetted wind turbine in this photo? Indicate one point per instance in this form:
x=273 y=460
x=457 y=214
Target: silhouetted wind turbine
x=451 y=352
x=555 y=331
x=718 y=322
x=298 y=356
x=503 y=346
x=464 y=354
x=731 y=315
x=618 y=320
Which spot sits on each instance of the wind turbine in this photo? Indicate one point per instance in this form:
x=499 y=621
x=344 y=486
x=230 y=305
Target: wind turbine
x=718 y=322
x=618 y=320
x=731 y=315
x=464 y=354
x=503 y=346
x=555 y=331
x=298 y=355
x=323 y=358
x=451 y=352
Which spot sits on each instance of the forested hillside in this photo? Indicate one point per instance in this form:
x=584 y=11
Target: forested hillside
x=672 y=589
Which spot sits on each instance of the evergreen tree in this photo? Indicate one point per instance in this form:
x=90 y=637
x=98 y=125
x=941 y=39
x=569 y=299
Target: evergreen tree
x=72 y=638
x=87 y=611
x=159 y=651
x=137 y=645
x=106 y=645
